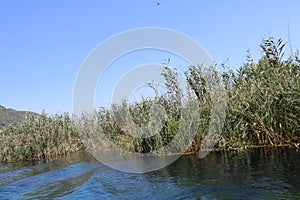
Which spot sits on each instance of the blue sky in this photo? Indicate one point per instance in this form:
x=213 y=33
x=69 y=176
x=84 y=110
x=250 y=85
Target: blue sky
x=43 y=43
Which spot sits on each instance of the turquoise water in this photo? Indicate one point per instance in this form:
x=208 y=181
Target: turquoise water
x=253 y=174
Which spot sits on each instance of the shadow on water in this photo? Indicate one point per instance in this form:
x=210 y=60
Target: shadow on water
x=253 y=174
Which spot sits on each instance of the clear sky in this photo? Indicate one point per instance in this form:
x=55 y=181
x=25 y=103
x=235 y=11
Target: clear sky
x=43 y=43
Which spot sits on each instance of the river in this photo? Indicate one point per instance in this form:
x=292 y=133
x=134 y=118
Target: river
x=266 y=173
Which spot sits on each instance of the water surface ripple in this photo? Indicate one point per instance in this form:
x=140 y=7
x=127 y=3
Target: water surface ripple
x=253 y=174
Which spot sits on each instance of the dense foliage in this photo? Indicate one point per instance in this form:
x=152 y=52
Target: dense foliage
x=264 y=99
x=39 y=137
x=263 y=108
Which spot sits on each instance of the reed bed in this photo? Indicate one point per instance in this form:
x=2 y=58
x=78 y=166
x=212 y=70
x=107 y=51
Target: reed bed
x=263 y=108
x=39 y=137
x=264 y=99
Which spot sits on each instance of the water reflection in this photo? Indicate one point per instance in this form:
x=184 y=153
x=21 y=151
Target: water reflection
x=254 y=174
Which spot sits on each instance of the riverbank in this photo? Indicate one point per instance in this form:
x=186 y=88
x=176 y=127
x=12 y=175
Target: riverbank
x=62 y=139
x=263 y=109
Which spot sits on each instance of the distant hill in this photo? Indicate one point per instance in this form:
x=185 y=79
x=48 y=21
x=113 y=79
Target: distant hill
x=10 y=116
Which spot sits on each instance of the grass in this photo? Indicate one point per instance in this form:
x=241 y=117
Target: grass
x=263 y=109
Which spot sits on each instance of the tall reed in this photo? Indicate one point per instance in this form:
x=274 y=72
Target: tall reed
x=264 y=99
x=39 y=137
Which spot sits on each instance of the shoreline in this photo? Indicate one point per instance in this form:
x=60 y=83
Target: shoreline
x=231 y=149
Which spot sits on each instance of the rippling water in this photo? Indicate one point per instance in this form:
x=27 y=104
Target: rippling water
x=253 y=174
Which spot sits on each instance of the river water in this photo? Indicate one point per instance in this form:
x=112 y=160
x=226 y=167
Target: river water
x=252 y=174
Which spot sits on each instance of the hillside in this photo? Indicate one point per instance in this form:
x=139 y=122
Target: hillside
x=10 y=116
